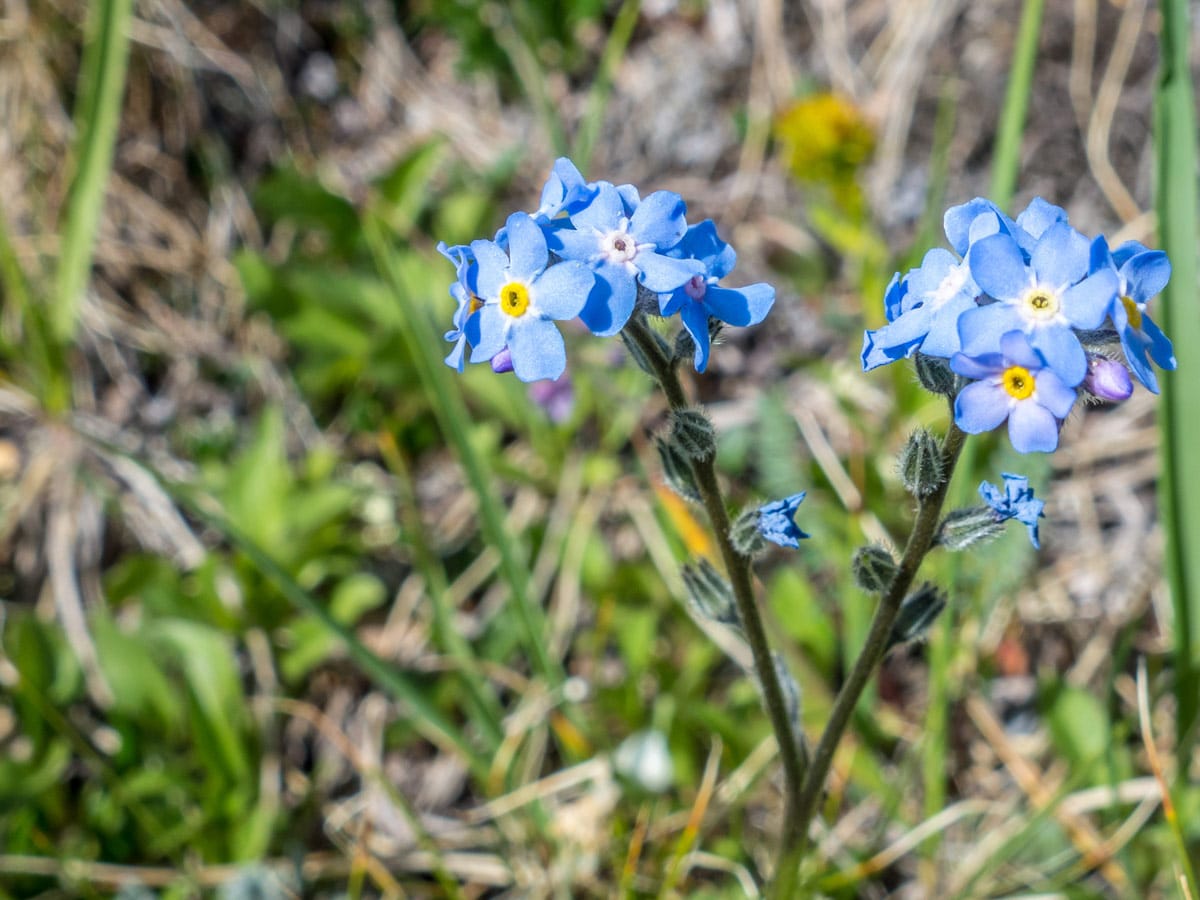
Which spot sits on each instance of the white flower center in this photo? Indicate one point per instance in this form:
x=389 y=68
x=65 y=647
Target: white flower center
x=619 y=247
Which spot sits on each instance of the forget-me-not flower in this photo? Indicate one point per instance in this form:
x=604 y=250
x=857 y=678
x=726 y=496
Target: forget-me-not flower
x=1046 y=298
x=625 y=249
x=1141 y=274
x=1016 y=501
x=521 y=298
x=700 y=296
x=777 y=523
x=1014 y=384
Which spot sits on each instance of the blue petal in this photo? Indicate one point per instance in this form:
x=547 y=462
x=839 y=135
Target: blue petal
x=894 y=297
x=1053 y=394
x=1032 y=428
x=987 y=365
x=942 y=339
x=998 y=267
x=610 y=301
x=980 y=407
x=665 y=273
x=1039 y=216
x=695 y=320
x=563 y=289
x=701 y=242
x=1061 y=257
x=537 y=350
x=958 y=219
x=1126 y=252
x=455 y=357
x=1161 y=350
x=669 y=304
x=980 y=329
x=1146 y=275
x=1087 y=304
x=659 y=220
x=1016 y=349
x=605 y=211
x=740 y=306
x=486 y=332
x=493 y=268
x=932 y=272
x=896 y=340
x=1135 y=344
x=1099 y=257
x=1062 y=351
x=570 y=244
x=526 y=247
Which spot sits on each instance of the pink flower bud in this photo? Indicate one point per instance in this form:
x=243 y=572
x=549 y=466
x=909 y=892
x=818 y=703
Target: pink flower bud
x=502 y=362
x=1108 y=379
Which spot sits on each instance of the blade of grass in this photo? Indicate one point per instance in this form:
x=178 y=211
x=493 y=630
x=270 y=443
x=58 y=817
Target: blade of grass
x=426 y=718
x=1179 y=489
x=455 y=422
x=97 y=119
x=597 y=99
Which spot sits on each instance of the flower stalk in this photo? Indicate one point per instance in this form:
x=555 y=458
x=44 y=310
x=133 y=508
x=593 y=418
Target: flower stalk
x=791 y=750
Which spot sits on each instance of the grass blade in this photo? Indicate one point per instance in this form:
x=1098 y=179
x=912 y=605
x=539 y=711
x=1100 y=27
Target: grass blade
x=97 y=119
x=1179 y=489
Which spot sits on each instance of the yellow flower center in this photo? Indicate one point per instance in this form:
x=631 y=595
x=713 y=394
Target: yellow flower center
x=1134 y=314
x=1041 y=303
x=514 y=299
x=1018 y=382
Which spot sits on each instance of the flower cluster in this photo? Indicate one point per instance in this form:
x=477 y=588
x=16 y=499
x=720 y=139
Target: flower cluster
x=592 y=251
x=1031 y=313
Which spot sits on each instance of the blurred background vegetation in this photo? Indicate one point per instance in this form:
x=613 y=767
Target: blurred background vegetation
x=288 y=608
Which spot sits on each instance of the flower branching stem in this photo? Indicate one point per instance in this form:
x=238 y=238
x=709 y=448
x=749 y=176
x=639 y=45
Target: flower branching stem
x=920 y=540
x=737 y=566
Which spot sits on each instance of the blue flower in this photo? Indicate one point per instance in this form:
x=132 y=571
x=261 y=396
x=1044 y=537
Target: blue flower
x=463 y=292
x=1141 y=274
x=777 y=524
x=1015 y=502
x=1046 y=297
x=566 y=191
x=625 y=247
x=1017 y=385
x=521 y=296
x=980 y=218
x=699 y=297
x=923 y=311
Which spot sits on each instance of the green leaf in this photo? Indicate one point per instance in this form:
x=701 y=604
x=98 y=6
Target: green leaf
x=1079 y=724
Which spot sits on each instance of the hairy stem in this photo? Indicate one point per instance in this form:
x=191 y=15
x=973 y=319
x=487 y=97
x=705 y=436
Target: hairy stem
x=919 y=542
x=737 y=567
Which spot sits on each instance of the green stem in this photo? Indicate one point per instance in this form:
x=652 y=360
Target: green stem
x=919 y=542
x=1007 y=156
x=737 y=567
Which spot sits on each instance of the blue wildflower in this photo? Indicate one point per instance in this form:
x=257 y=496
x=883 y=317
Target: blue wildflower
x=923 y=311
x=1014 y=384
x=463 y=292
x=521 y=296
x=700 y=297
x=1016 y=501
x=566 y=191
x=625 y=248
x=776 y=521
x=1141 y=274
x=1046 y=298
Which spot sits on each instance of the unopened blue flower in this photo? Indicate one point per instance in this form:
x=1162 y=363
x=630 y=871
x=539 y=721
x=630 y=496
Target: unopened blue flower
x=1013 y=384
x=776 y=521
x=521 y=298
x=700 y=297
x=566 y=191
x=463 y=292
x=925 y=316
x=1016 y=501
x=625 y=249
x=1141 y=274
x=1046 y=298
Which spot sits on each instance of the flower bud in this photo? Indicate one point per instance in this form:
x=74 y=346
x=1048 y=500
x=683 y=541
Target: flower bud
x=921 y=464
x=694 y=434
x=973 y=525
x=935 y=374
x=1107 y=379
x=746 y=534
x=709 y=595
x=917 y=614
x=873 y=568
x=677 y=470
x=502 y=362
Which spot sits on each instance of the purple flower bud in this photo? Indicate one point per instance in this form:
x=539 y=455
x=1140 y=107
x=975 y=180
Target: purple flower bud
x=1108 y=379
x=502 y=362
